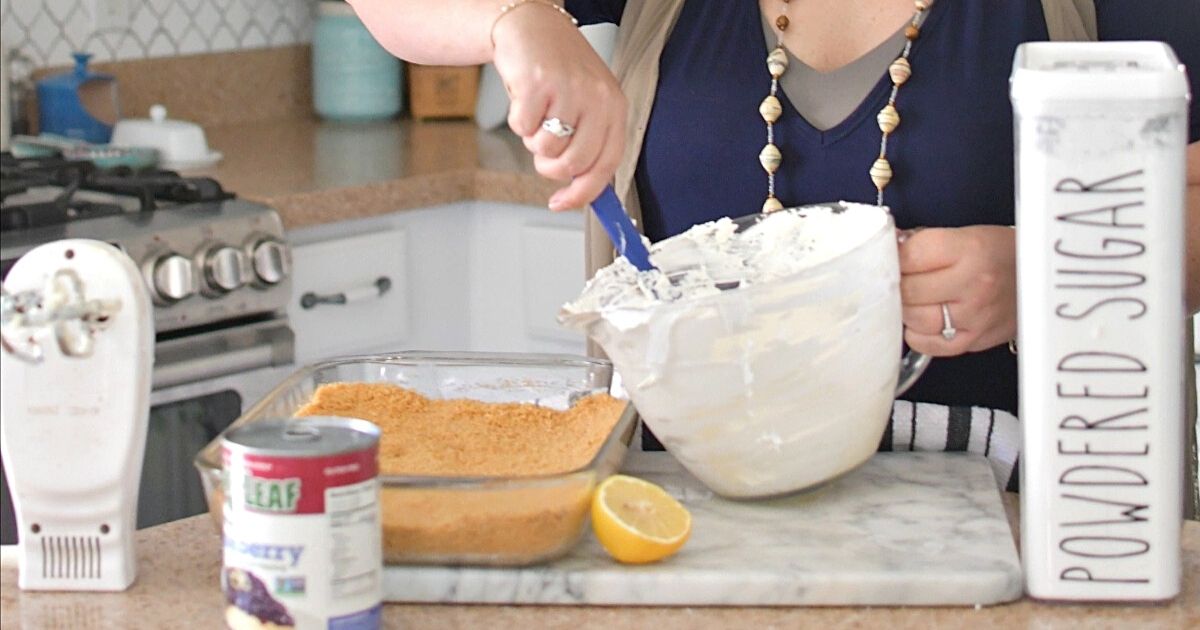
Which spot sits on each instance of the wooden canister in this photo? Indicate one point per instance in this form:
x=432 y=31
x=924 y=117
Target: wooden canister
x=438 y=92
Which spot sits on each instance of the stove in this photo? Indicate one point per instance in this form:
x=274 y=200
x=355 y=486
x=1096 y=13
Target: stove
x=206 y=256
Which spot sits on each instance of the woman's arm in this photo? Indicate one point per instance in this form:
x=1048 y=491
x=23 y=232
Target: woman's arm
x=548 y=68
x=432 y=31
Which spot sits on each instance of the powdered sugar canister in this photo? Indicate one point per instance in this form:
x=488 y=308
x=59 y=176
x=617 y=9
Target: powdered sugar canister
x=1101 y=131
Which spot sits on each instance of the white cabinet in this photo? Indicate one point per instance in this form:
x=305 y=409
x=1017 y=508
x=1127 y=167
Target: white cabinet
x=552 y=272
x=525 y=263
x=352 y=294
x=473 y=276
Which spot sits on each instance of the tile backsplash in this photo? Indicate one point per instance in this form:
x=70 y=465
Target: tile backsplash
x=48 y=31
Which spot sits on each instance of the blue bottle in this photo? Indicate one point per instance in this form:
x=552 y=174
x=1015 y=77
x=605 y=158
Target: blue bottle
x=354 y=78
x=78 y=104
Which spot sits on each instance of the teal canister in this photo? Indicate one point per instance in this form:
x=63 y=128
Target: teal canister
x=354 y=78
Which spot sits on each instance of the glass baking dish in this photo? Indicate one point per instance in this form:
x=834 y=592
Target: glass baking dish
x=499 y=521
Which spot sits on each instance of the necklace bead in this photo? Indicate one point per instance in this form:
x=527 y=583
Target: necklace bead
x=777 y=62
x=900 y=71
x=771 y=205
x=770 y=108
x=770 y=158
x=888 y=118
x=782 y=22
x=881 y=173
x=912 y=32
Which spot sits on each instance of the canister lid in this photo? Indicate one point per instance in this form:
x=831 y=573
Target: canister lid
x=1130 y=71
x=313 y=436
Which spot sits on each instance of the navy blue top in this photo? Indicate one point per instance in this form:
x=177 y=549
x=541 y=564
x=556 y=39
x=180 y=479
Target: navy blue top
x=952 y=155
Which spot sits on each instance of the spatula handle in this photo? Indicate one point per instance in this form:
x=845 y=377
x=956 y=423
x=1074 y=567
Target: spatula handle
x=621 y=230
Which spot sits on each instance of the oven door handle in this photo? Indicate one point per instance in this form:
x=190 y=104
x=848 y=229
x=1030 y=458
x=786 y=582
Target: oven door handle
x=218 y=353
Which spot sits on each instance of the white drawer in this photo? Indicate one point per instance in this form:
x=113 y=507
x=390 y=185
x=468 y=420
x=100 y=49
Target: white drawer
x=354 y=271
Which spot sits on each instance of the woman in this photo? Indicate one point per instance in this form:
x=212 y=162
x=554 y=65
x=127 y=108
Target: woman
x=951 y=158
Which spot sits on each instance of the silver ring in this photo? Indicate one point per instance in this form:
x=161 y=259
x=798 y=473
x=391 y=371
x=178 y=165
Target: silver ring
x=948 y=329
x=557 y=128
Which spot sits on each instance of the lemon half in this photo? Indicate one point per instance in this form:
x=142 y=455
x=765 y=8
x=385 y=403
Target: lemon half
x=638 y=522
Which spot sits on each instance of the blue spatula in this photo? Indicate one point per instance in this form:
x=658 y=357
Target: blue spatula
x=620 y=229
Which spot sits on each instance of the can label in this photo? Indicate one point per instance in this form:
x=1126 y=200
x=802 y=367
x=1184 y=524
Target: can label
x=302 y=541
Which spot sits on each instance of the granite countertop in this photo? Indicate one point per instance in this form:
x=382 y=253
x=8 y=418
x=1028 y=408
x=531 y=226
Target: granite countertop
x=316 y=172
x=258 y=112
x=178 y=587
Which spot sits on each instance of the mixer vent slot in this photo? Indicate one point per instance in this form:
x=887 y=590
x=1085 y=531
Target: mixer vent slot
x=71 y=557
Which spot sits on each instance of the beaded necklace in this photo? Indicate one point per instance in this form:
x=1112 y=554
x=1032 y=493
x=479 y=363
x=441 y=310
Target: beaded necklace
x=888 y=118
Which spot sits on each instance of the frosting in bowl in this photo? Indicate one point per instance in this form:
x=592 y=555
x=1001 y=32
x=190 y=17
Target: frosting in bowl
x=765 y=359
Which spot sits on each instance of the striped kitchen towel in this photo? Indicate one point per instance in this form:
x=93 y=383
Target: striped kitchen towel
x=993 y=433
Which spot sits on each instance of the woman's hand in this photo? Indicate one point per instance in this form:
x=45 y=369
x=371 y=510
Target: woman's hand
x=551 y=71
x=973 y=271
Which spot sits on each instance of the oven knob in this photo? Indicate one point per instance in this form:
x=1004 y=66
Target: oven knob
x=173 y=278
x=223 y=268
x=272 y=262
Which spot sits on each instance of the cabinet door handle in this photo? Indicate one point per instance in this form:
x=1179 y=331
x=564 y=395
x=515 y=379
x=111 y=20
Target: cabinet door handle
x=376 y=289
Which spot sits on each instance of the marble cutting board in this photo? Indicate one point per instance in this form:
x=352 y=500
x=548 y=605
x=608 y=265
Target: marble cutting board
x=904 y=529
